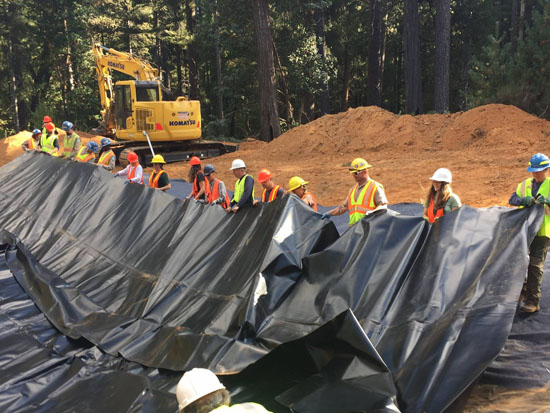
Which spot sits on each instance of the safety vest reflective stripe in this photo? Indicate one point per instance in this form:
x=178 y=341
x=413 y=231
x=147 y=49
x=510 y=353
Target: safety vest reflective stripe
x=132 y=173
x=47 y=143
x=68 y=144
x=239 y=189
x=524 y=189
x=215 y=194
x=105 y=158
x=365 y=202
x=154 y=179
x=431 y=216
x=196 y=187
x=83 y=155
x=272 y=195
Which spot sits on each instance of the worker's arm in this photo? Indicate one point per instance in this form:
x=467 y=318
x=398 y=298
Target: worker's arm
x=112 y=163
x=248 y=187
x=308 y=199
x=340 y=209
x=76 y=147
x=123 y=172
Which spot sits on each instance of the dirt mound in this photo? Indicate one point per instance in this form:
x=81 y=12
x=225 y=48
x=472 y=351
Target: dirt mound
x=486 y=148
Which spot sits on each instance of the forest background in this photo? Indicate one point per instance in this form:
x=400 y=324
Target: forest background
x=261 y=67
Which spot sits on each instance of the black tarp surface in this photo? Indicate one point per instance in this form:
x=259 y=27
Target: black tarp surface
x=176 y=285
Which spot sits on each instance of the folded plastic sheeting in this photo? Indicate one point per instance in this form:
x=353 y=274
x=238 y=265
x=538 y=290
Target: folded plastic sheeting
x=178 y=285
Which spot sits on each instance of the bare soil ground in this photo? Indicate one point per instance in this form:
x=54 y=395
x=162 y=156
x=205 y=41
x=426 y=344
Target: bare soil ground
x=487 y=149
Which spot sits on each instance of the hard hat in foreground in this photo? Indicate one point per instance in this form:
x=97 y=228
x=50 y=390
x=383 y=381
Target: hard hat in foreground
x=442 y=175
x=539 y=162
x=195 y=160
x=237 y=164
x=158 y=159
x=92 y=146
x=105 y=142
x=264 y=175
x=36 y=132
x=359 y=164
x=132 y=157
x=195 y=384
x=296 y=182
x=208 y=169
x=67 y=125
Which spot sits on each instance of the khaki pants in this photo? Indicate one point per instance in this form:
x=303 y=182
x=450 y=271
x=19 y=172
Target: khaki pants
x=537 y=256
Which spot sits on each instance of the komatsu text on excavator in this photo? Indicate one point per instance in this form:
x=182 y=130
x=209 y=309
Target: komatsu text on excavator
x=133 y=110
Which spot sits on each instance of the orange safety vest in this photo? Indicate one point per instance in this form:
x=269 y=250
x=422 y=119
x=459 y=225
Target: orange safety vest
x=431 y=216
x=83 y=156
x=314 y=200
x=272 y=195
x=365 y=203
x=31 y=143
x=132 y=173
x=105 y=158
x=154 y=179
x=196 y=187
x=215 y=194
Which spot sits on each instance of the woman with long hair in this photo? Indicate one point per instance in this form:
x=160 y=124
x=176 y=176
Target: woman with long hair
x=201 y=188
x=441 y=199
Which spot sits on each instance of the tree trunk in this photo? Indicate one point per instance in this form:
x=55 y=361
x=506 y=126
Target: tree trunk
x=346 y=80
x=13 y=81
x=374 y=75
x=270 y=127
x=514 y=31
x=179 y=70
x=413 y=79
x=288 y=104
x=191 y=52
x=521 y=19
x=442 y=54
x=219 y=81
x=319 y=16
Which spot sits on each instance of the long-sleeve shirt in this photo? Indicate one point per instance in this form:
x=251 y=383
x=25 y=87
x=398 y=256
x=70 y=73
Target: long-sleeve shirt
x=137 y=177
x=515 y=200
x=246 y=198
x=221 y=191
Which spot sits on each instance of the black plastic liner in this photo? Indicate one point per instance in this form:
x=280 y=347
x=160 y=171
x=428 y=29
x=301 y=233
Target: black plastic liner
x=178 y=285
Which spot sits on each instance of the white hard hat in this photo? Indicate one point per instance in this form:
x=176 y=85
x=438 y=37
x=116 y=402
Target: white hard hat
x=237 y=163
x=442 y=175
x=195 y=384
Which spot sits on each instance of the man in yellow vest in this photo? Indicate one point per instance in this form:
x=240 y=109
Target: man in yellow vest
x=32 y=143
x=87 y=153
x=49 y=142
x=71 y=142
x=535 y=190
x=107 y=159
x=200 y=391
x=243 y=196
x=364 y=198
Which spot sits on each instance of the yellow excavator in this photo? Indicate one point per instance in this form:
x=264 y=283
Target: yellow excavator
x=134 y=112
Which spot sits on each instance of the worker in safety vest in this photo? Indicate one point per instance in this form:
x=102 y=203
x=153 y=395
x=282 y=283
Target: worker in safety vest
x=440 y=200
x=218 y=193
x=107 y=159
x=243 y=196
x=364 y=198
x=71 y=142
x=49 y=142
x=48 y=120
x=535 y=190
x=87 y=153
x=201 y=189
x=159 y=178
x=133 y=172
x=200 y=391
x=33 y=142
x=271 y=191
x=297 y=186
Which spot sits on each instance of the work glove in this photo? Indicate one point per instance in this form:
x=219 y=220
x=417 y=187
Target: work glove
x=541 y=199
x=527 y=201
x=326 y=215
x=126 y=182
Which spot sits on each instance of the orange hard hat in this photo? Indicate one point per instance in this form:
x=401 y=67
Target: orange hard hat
x=265 y=175
x=49 y=127
x=195 y=160
x=47 y=119
x=132 y=157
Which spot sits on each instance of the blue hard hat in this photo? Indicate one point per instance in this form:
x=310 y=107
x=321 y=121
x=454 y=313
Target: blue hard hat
x=208 y=169
x=66 y=125
x=92 y=146
x=36 y=132
x=105 y=142
x=538 y=162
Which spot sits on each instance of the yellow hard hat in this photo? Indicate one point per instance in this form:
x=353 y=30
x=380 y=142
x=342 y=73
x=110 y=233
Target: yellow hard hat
x=295 y=182
x=359 y=164
x=158 y=159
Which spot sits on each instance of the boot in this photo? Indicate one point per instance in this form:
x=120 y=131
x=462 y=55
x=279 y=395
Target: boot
x=530 y=307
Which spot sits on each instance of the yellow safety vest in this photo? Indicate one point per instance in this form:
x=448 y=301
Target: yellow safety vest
x=68 y=144
x=83 y=155
x=524 y=189
x=239 y=189
x=47 y=143
x=364 y=203
x=105 y=158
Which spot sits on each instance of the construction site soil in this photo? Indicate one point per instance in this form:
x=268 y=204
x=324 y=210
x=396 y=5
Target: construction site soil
x=487 y=149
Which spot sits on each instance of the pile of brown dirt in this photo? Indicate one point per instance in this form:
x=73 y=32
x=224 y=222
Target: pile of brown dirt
x=487 y=149
x=488 y=398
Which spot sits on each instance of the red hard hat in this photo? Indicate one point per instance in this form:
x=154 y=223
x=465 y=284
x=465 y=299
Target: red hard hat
x=195 y=160
x=49 y=127
x=47 y=119
x=264 y=175
x=132 y=157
